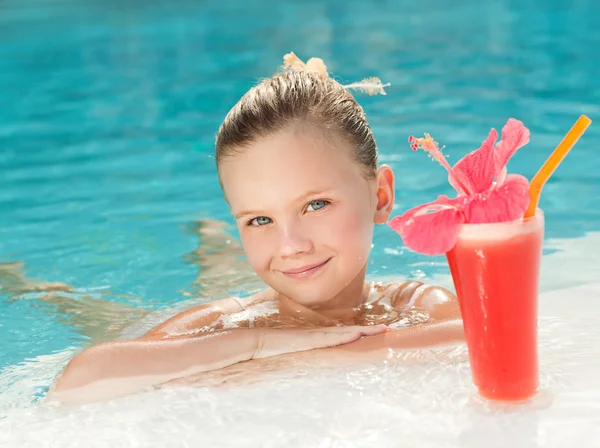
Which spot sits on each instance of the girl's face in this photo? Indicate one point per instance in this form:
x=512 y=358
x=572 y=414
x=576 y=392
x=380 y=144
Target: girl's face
x=305 y=213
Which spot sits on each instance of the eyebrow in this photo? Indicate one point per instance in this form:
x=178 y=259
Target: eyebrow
x=246 y=213
x=300 y=198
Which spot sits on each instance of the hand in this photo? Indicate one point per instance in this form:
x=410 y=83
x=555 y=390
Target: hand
x=273 y=342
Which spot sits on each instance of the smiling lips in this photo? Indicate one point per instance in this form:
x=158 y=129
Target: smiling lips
x=305 y=271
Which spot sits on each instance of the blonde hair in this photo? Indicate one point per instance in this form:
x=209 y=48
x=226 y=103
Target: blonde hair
x=300 y=95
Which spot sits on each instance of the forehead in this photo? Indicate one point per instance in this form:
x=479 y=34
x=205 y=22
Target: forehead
x=286 y=165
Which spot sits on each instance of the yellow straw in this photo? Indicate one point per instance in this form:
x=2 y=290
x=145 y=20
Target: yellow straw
x=563 y=148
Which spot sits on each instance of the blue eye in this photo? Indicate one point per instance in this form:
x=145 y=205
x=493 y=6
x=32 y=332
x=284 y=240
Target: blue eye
x=316 y=205
x=260 y=221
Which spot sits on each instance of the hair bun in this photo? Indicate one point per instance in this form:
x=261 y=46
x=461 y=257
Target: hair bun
x=313 y=65
x=370 y=86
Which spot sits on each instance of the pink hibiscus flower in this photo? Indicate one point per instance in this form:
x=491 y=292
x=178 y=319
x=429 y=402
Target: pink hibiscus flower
x=486 y=193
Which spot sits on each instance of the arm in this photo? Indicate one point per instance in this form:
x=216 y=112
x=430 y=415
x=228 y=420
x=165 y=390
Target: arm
x=393 y=347
x=123 y=367
x=434 y=334
x=162 y=353
x=168 y=350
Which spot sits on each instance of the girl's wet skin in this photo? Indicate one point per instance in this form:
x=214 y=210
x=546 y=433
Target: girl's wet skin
x=297 y=162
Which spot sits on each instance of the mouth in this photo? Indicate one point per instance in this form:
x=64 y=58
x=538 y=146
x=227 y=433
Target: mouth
x=305 y=271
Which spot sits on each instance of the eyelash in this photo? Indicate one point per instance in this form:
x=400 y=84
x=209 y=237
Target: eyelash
x=319 y=200
x=250 y=222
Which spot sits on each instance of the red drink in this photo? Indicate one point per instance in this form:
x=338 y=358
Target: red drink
x=495 y=269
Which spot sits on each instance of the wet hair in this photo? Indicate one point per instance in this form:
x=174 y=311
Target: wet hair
x=292 y=98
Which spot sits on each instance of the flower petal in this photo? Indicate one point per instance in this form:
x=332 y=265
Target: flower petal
x=505 y=202
x=477 y=169
x=440 y=202
x=501 y=176
x=514 y=136
x=431 y=229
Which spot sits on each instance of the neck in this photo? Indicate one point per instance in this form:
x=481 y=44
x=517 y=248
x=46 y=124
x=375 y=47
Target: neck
x=345 y=306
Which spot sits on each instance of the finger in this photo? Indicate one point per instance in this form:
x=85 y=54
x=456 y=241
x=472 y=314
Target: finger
x=328 y=339
x=372 y=330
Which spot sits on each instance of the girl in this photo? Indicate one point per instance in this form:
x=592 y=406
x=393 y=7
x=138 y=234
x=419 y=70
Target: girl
x=297 y=162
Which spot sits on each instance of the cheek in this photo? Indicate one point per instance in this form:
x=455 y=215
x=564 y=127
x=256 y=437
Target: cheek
x=348 y=230
x=257 y=249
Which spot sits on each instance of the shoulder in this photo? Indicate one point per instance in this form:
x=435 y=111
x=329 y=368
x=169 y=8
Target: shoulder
x=395 y=294
x=234 y=304
x=210 y=316
x=262 y=298
x=436 y=301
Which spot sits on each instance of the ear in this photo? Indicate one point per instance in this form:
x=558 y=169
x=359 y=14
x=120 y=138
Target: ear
x=385 y=194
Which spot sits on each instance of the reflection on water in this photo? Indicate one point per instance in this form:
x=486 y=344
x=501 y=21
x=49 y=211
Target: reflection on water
x=88 y=312
x=221 y=271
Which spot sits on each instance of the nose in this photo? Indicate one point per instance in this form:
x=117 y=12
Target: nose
x=295 y=241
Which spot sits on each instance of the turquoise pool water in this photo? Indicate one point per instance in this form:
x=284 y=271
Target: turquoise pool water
x=109 y=112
